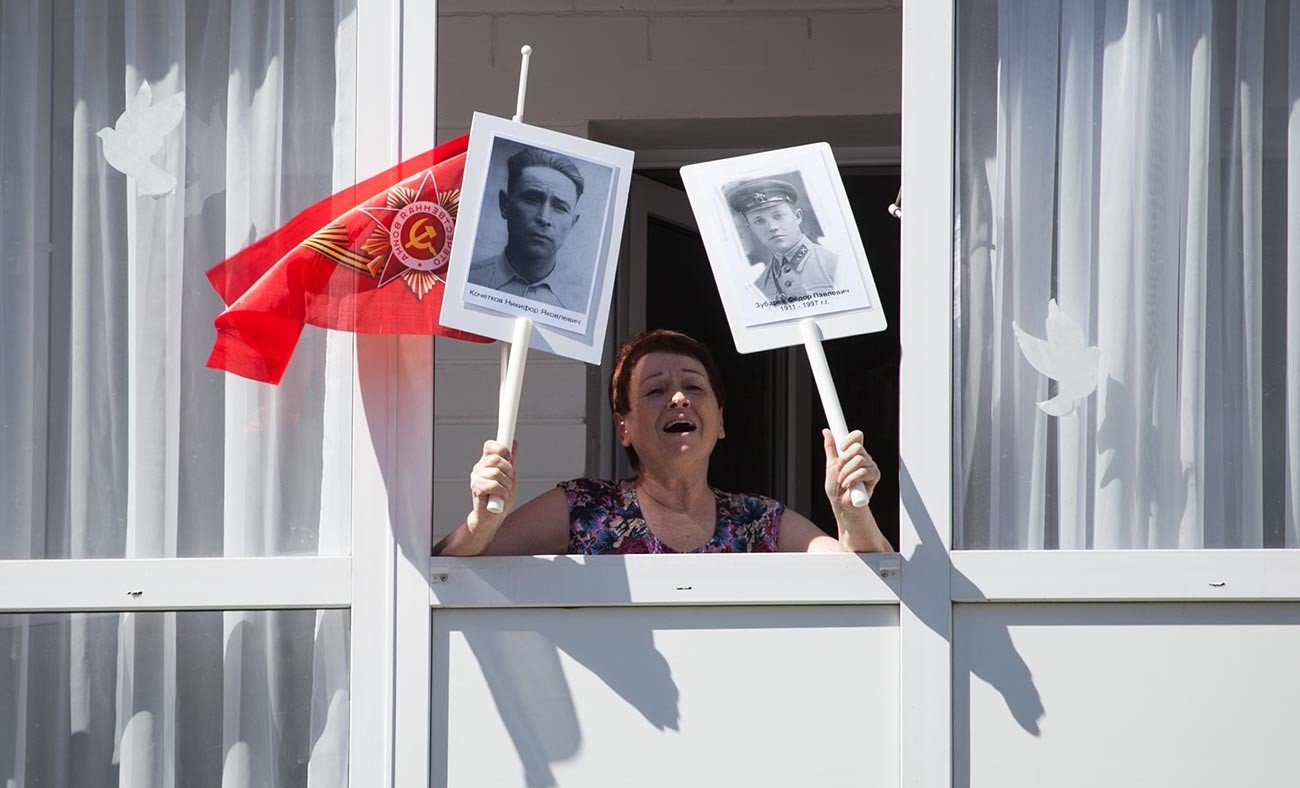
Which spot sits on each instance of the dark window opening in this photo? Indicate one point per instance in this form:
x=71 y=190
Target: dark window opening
x=755 y=457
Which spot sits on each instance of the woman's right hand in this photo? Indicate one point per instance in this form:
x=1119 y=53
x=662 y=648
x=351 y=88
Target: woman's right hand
x=492 y=475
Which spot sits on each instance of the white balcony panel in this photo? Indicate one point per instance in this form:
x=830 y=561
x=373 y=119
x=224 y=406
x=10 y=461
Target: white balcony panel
x=772 y=696
x=1197 y=695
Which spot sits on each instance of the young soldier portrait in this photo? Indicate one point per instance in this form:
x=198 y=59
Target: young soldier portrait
x=794 y=266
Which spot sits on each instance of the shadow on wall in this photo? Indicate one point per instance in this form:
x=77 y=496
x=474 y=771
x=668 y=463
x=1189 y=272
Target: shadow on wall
x=575 y=689
x=997 y=662
x=521 y=666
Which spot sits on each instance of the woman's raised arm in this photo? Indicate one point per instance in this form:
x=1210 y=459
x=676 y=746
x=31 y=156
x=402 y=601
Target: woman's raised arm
x=539 y=527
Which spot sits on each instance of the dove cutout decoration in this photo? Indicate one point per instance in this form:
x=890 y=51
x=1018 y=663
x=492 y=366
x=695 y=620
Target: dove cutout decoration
x=1064 y=357
x=129 y=146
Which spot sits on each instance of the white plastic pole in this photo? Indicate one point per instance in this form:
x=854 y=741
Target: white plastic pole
x=514 y=354
x=505 y=368
x=812 y=342
x=527 y=52
x=508 y=407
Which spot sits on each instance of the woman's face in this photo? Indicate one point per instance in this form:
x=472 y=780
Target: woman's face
x=672 y=413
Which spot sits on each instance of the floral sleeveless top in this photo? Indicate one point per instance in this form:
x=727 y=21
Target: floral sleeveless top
x=605 y=519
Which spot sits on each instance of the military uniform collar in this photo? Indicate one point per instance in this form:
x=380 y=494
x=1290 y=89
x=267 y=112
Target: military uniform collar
x=797 y=257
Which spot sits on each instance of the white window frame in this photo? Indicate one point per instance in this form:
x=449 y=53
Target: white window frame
x=935 y=579
x=686 y=580
x=392 y=412
x=925 y=397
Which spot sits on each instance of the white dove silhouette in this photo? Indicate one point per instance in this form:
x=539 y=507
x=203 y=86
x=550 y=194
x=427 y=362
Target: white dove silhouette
x=1065 y=357
x=138 y=135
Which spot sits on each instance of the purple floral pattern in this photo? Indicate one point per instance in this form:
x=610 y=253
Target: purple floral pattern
x=605 y=519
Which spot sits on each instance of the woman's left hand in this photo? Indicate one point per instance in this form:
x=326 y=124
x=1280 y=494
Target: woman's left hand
x=845 y=467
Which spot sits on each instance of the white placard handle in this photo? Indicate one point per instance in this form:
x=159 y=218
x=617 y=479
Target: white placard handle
x=513 y=358
x=526 y=51
x=812 y=342
x=511 y=386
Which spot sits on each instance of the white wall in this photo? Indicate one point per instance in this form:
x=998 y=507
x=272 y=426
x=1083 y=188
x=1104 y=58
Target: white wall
x=551 y=431
x=609 y=61
x=603 y=59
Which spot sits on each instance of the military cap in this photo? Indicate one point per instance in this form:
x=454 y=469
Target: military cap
x=760 y=194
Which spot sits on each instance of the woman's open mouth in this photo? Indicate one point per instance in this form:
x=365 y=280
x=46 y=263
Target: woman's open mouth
x=679 y=426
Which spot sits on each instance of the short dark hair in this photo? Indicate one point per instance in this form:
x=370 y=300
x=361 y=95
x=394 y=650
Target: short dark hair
x=660 y=340
x=539 y=157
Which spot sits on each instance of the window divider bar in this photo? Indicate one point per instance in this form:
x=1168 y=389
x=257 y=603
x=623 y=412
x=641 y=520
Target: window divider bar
x=1125 y=575
x=128 y=585
x=412 y=518
x=665 y=580
x=925 y=430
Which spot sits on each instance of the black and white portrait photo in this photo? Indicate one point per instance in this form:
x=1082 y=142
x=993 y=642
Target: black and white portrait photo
x=783 y=244
x=533 y=241
x=780 y=234
x=537 y=235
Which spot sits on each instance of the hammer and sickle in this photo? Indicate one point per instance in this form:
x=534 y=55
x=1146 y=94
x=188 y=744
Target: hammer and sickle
x=419 y=238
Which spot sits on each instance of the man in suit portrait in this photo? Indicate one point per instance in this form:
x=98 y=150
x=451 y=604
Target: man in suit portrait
x=540 y=207
x=795 y=266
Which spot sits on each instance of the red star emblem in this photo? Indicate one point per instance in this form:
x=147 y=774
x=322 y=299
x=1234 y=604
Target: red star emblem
x=412 y=236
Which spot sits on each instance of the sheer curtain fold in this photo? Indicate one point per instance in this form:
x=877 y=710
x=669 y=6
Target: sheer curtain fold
x=1151 y=232
x=117 y=442
x=1077 y=206
x=25 y=264
x=1023 y=241
x=1199 y=214
x=96 y=353
x=976 y=145
x=154 y=52
x=146 y=682
x=1143 y=171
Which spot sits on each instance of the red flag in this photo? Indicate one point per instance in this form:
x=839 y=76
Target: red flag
x=379 y=267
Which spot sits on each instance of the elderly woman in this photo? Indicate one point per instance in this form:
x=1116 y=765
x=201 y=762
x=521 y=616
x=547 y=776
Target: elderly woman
x=667 y=399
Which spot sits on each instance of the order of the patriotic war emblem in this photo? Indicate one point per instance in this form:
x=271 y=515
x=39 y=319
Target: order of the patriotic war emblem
x=410 y=240
x=421 y=236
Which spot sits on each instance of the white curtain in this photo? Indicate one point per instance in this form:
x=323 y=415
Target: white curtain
x=115 y=441
x=1139 y=162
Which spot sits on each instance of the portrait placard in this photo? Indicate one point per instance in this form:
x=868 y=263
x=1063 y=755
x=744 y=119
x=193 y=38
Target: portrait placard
x=541 y=218
x=783 y=246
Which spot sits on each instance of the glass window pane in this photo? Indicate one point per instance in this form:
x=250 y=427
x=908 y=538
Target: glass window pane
x=1128 y=368
x=156 y=139
x=197 y=699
